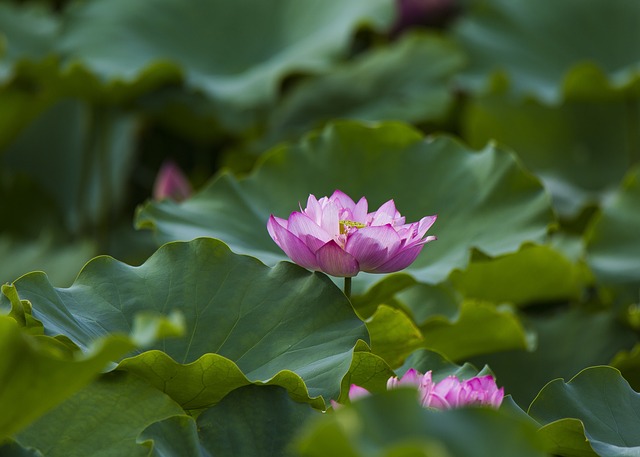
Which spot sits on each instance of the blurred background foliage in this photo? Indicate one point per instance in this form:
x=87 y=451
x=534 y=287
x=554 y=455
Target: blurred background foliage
x=96 y=95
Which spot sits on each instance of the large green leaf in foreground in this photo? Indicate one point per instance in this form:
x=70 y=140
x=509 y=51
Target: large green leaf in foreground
x=244 y=321
x=548 y=46
x=605 y=407
x=394 y=424
x=483 y=199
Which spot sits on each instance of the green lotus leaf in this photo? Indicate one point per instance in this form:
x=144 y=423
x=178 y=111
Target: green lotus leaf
x=39 y=372
x=103 y=419
x=480 y=328
x=236 y=53
x=549 y=48
x=10 y=448
x=473 y=193
x=375 y=425
x=61 y=262
x=367 y=370
x=405 y=88
x=243 y=319
x=567 y=341
x=28 y=33
x=172 y=437
x=393 y=335
x=613 y=252
x=424 y=360
x=602 y=400
x=628 y=362
x=580 y=149
x=88 y=151
x=535 y=274
x=253 y=420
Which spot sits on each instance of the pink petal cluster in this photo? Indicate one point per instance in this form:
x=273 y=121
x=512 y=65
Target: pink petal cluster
x=340 y=237
x=446 y=394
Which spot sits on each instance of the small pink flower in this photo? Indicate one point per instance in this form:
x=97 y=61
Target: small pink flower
x=447 y=394
x=340 y=237
x=171 y=183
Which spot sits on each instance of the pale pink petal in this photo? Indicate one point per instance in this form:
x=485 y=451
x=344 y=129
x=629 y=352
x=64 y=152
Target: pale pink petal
x=292 y=245
x=373 y=246
x=308 y=231
x=411 y=378
x=385 y=214
x=343 y=200
x=335 y=404
x=330 y=219
x=425 y=224
x=335 y=261
x=313 y=209
x=356 y=392
x=401 y=260
x=360 y=211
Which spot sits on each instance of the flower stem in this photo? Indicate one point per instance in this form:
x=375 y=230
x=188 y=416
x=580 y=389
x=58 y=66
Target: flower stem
x=347 y=287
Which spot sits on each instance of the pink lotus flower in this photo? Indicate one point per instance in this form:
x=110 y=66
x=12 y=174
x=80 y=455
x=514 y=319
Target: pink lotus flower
x=446 y=394
x=171 y=183
x=338 y=236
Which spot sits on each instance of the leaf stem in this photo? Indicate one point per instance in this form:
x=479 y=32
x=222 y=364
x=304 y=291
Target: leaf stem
x=347 y=287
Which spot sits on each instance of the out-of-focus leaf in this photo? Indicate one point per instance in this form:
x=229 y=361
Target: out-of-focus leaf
x=253 y=420
x=613 y=251
x=60 y=262
x=28 y=32
x=172 y=437
x=603 y=403
x=473 y=193
x=566 y=343
x=580 y=149
x=407 y=81
x=374 y=425
x=480 y=328
x=38 y=373
x=532 y=275
x=245 y=322
x=80 y=155
x=393 y=335
x=237 y=53
x=547 y=48
x=103 y=419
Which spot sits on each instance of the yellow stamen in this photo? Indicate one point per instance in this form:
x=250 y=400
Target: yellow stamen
x=345 y=225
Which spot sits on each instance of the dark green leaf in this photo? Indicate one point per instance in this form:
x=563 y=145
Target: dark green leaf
x=602 y=401
x=253 y=420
